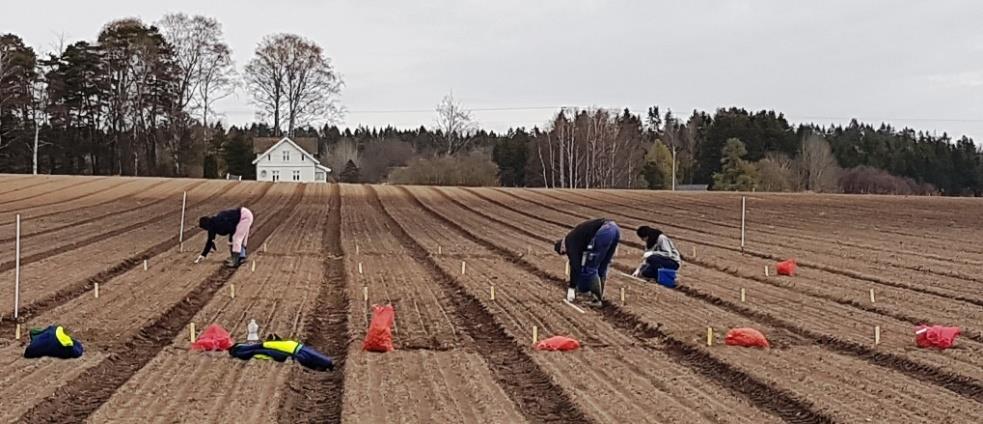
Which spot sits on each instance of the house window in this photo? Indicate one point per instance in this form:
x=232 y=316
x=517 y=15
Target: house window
x=276 y=176
x=263 y=174
x=296 y=175
x=269 y=157
x=303 y=158
x=286 y=156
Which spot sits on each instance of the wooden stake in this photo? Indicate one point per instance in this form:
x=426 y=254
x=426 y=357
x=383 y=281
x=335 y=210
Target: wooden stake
x=180 y=237
x=180 y=248
x=232 y=291
x=356 y=249
x=264 y=246
x=535 y=334
x=440 y=250
x=144 y=264
x=17 y=333
x=464 y=267
x=766 y=270
x=192 y=332
x=97 y=290
x=253 y=269
x=359 y=267
x=743 y=213
x=871 y=295
x=568 y=268
x=709 y=336
x=622 y=295
x=743 y=295
x=492 y=292
x=365 y=293
x=877 y=334
x=17 y=276
x=694 y=251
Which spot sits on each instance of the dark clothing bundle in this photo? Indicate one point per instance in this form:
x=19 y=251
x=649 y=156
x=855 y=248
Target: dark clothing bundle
x=224 y=224
x=53 y=341
x=280 y=351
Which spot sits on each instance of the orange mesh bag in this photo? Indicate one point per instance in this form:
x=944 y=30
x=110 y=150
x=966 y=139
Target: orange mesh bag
x=747 y=337
x=213 y=338
x=380 y=335
x=558 y=343
x=786 y=267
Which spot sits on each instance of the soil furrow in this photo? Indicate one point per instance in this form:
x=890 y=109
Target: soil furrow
x=72 y=291
x=532 y=390
x=759 y=393
x=80 y=397
x=26 y=260
x=962 y=385
x=56 y=190
x=318 y=397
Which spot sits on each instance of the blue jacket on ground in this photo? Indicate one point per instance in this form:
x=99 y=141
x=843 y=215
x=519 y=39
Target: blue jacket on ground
x=54 y=342
x=280 y=351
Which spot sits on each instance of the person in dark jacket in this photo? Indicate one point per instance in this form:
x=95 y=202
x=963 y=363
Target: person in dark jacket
x=589 y=248
x=660 y=253
x=234 y=223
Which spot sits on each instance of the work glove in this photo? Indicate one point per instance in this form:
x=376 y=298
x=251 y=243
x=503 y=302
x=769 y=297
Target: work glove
x=199 y=259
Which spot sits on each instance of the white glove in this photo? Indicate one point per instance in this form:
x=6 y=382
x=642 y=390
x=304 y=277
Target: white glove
x=199 y=259
x=571 y=295
x=636 y=273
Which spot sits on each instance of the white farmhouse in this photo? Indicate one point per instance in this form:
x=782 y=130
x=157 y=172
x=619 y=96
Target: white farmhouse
x=286 y=160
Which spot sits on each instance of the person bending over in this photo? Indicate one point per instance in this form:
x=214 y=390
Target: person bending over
x=589 y=247
x=234 y=223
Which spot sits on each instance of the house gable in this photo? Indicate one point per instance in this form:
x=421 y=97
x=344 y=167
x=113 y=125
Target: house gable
x=286 y=152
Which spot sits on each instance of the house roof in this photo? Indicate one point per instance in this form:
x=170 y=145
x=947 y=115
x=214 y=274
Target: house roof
x=262 y=144
x=281 y=141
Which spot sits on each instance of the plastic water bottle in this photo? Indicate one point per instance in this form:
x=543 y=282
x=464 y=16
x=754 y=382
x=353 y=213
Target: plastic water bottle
x=253 y=328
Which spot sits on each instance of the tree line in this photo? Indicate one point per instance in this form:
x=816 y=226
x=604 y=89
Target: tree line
x=140 y=100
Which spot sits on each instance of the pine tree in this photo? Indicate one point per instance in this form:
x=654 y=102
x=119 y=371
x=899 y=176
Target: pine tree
x=350 y=174
x=736 y=174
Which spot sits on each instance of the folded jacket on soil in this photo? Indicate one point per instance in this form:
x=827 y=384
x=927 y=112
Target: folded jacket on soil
x=379 y=338
x=214 y=338
x=280 y=351
x=747 y=337
x=936 y=336
x=53 y=341
x=558 y=343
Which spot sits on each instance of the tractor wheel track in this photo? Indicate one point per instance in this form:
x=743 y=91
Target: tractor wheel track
x=532 y=390
x=960 y=384
x=318 y=397
x=78 y=398
x=759 y=393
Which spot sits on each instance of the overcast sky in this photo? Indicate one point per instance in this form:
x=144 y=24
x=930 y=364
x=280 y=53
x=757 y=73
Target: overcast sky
x=912 y=63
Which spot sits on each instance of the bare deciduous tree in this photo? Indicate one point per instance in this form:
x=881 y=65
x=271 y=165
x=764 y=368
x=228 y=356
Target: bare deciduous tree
x=818 y=166
x=455 y=124
x=290 y=75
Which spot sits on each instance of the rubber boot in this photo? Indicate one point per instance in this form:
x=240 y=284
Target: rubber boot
x=596 y=291
x=234 y=261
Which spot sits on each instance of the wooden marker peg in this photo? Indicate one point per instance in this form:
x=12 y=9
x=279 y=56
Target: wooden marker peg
x=492 y=292
x=17 y=332
x=365 y=293
x=356 y=249
x=191 y=331
x=535 y=334
x=568 y=268
x=709 y=336
x=622 y=295
x=359 y=267
x=180 y=248
x=464 y=267
x=694 y=251
x=97 y=290
x=144 y=264
x=232 y=291
x=264 y=246
x=743 y=295
x=871 y=295
x=877 y=335
x=440 y=250
x=253 y=269
x=766 y=270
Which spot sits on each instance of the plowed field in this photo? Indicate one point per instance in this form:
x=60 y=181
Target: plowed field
x=436 y=254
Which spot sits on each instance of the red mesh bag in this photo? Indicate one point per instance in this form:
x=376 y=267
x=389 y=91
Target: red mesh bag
x=786 y=267
x=936 y=336
x=213 y=338
x=380 y=335
x=558 y=343
x=747 y=337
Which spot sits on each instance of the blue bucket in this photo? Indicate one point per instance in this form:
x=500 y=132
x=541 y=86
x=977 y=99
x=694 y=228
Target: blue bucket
x=667 y=277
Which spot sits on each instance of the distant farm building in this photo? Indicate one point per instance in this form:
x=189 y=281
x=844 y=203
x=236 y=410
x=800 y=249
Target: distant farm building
x=284 y=159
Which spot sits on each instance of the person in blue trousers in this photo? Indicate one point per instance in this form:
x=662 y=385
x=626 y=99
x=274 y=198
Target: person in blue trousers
x=589 y=247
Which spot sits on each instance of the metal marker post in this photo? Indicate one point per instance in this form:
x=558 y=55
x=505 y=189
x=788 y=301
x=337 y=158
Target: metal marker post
x=17 y=272
x=743 y=214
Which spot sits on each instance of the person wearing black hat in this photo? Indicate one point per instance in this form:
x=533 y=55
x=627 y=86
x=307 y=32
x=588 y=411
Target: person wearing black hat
x=660 y=253
x=589 y=247
x=234 y=223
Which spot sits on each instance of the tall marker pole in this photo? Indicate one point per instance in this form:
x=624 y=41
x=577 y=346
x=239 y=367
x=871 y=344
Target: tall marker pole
x=17 y=272
x=743 y=214
x=184 y=202
x=673 y=168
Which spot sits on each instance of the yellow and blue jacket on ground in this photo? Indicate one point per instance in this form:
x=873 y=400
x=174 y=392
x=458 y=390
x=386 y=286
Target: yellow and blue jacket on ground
x=53 y=341
x=280 y=351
